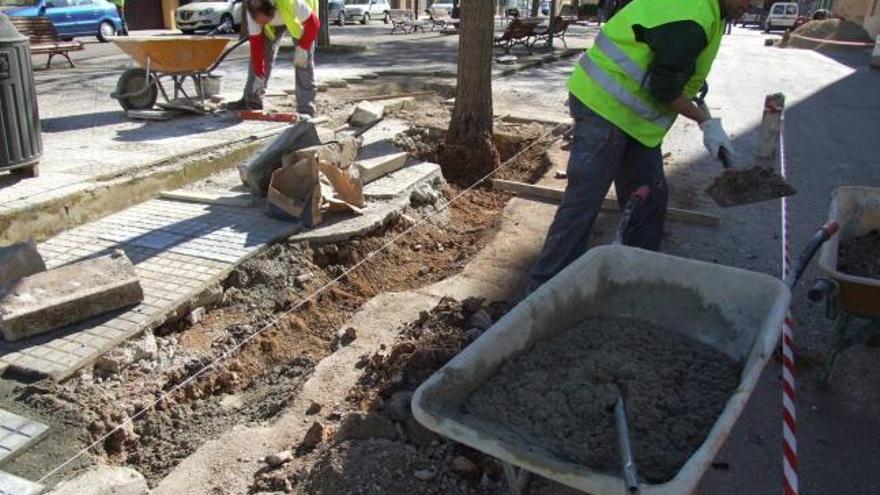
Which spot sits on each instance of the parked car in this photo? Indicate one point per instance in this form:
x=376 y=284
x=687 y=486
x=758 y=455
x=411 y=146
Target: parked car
x=754 y=16
x=72 y=17
x=782 y=15
x=224 y=15
x=336 y=12
x=441 y=9
x=366 y=10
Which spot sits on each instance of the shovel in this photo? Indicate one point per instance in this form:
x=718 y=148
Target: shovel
x=735 y=187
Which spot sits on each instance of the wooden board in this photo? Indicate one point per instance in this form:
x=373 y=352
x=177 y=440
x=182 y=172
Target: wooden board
x=556 y=194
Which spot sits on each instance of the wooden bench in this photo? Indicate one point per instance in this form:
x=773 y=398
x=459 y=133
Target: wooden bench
x=404 y=21
x=518 y=32
x=560 y=27
x=44 y=38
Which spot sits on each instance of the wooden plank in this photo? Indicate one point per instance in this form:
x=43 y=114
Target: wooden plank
x=240 y=200
x=555 y=194
x=393 y=96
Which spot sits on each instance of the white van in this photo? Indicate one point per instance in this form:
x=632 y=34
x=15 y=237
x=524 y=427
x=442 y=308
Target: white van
x=782 y=15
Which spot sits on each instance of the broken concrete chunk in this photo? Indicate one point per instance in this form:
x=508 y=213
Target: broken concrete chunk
x=145 y=347
x=279 y=458
x=341 y=152
x=69 y=294
x=366 y=113
x=402 y=103
x=104 y=480
x=374 y=168
x=314 y=436
x=18 y=261
x=115 y=361
x=195 y=316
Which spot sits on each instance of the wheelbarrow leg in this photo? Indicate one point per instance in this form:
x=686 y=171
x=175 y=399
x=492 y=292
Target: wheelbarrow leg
x=844 y=340
x=517 y=479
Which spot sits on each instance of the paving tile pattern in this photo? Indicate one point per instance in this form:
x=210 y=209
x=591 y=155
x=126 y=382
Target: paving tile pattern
x=17 y=433
x=179 y=249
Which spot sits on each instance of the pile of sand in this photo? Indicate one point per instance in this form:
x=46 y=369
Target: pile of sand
x=828 y=29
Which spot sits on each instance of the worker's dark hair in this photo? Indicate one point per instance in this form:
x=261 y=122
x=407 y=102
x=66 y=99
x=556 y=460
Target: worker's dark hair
x=264 y=7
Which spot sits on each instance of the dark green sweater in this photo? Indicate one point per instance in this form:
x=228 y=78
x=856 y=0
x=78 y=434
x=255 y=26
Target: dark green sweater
x=676 y=47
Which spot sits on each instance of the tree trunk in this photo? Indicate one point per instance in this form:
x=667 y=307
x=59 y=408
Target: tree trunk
x=536 y=7
x=469 y=154
x=324 y=31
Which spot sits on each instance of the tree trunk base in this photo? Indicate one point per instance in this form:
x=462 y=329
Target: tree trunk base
x=463 y=165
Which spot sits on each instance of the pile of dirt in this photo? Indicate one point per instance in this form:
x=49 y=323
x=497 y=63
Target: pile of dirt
x=860 y=256
x=748 y=185
x=828 y=29
x=380 y=448
x=560 y=395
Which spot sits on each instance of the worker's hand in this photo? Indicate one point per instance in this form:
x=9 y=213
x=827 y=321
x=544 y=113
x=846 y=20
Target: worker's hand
x=714 y=138
x=300 y=58
x=259 y=86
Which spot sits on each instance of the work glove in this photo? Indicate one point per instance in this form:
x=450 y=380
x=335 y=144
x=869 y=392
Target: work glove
x=714 y=138
x=300 y=58
x=259 y=87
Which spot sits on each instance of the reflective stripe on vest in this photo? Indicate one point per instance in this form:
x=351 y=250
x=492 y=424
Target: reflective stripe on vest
x=618 y=57
x=630 y=100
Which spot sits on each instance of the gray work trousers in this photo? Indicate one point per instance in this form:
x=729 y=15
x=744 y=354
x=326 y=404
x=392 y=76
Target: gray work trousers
x=306 y=89
x=602 y=154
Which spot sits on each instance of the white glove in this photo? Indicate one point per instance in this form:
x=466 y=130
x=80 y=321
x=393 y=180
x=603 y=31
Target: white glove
x=259 y=87
x=300 y=58
x=714 y=138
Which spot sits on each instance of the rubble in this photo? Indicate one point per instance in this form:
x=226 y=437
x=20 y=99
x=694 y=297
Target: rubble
x=279 y=458
x=104 y=480
x=366 y=113
x=314 y=436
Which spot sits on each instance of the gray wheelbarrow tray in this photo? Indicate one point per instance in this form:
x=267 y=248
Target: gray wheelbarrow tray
x=736 y=311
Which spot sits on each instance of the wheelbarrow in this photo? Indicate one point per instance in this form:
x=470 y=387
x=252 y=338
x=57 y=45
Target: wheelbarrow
x=736 y=311
x=164 y=58
x=852 y=302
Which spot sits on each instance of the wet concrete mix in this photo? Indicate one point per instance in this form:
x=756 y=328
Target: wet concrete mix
x=560 y=394
x=860 y=256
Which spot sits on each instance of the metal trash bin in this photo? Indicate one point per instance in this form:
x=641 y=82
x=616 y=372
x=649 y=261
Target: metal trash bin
x=21 y=144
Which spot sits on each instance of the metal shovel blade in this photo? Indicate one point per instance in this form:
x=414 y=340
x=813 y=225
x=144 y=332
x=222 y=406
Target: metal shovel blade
x=751 y=185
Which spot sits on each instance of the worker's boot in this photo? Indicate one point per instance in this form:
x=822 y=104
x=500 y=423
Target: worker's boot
x=244 y=104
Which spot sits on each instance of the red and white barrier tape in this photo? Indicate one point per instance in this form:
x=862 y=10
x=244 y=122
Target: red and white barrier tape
x=789 y=415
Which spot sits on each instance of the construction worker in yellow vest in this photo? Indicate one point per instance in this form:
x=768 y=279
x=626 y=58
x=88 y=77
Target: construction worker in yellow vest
x=120 y=8
x=646 y=65
x=267 y=20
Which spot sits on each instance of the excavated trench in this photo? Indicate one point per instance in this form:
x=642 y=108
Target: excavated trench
x=262 y=373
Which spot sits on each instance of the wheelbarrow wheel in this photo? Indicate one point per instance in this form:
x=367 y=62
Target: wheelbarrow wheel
x=131 y=84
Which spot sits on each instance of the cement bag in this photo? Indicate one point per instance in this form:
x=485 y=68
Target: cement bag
x=294 y=192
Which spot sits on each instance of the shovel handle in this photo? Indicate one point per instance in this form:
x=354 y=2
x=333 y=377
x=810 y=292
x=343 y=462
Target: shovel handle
x=819 y=237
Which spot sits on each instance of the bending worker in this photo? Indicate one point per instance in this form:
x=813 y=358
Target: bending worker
x=648 y=62
x=267 y=21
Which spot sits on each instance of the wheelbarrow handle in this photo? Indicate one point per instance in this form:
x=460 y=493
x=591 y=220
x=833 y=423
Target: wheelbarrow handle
x=821 y=235
x=635 y=199
x=226 y=53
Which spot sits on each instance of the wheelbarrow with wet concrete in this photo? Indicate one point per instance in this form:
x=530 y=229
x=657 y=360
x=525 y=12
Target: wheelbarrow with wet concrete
x=851 y=263
x=733 y=313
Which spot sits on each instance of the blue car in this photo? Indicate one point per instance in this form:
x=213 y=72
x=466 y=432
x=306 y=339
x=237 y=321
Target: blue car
x=71 y=17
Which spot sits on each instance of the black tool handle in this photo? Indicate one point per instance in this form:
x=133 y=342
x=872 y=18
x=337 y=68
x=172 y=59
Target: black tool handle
x=819 y=237
x=724 y=156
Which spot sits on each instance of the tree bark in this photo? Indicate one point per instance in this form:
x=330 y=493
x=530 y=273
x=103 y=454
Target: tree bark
x=324 y=31
x=469 y=154
x=536 y=7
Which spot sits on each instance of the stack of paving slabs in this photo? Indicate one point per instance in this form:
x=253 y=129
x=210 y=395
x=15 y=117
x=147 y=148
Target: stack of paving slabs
x=68 y=294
